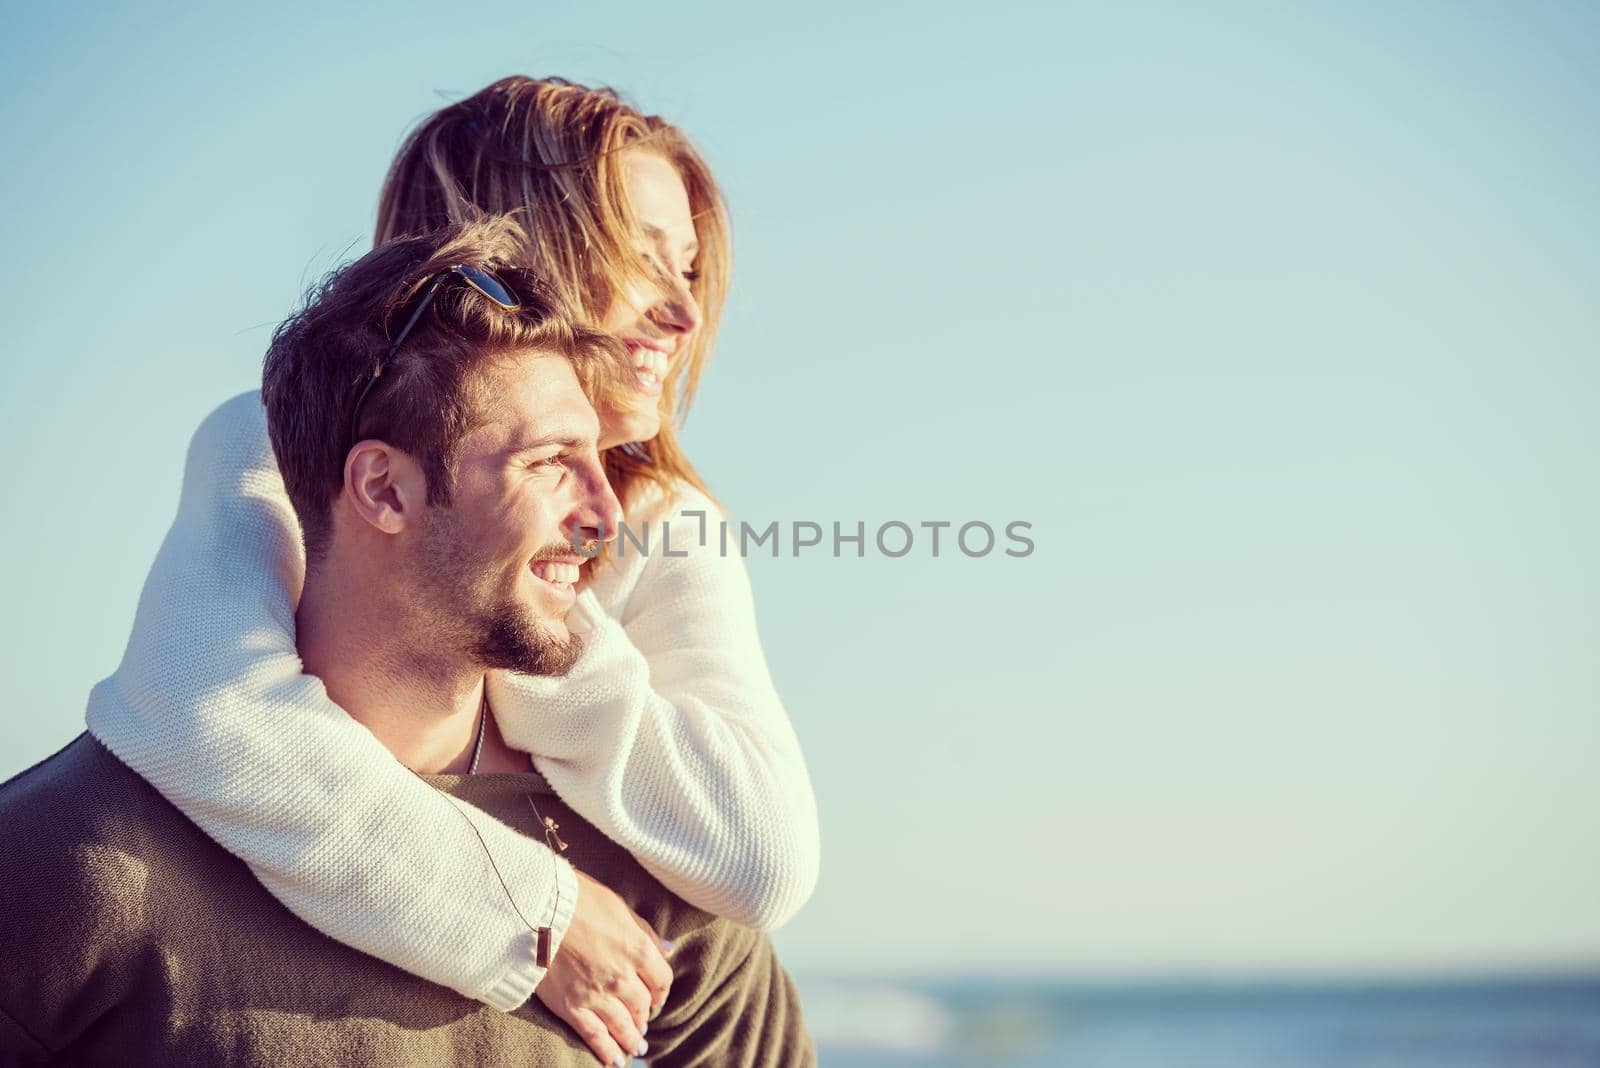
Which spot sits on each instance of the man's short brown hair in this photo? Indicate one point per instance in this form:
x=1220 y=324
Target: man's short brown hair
x=432 y=392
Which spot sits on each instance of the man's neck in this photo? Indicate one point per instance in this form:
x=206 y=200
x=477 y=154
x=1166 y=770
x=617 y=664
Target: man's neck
x=420 y=701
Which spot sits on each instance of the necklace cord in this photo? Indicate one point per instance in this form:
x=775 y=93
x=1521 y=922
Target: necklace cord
x=552 y=841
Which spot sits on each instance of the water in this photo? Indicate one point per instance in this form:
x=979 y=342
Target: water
x=1504 y=1023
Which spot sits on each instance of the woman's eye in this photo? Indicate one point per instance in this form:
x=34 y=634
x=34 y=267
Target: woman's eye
x=658 y=265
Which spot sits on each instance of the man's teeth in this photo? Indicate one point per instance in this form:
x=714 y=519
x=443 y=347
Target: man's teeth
x=560 y=574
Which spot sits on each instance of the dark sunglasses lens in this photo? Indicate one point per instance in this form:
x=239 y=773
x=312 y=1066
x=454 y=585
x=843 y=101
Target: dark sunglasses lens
x=489 y=286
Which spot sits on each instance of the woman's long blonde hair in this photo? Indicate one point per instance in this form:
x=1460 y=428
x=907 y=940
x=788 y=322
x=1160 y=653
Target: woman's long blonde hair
x=549 y=152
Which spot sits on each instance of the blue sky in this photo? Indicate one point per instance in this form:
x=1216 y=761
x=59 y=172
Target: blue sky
x=1278 y=325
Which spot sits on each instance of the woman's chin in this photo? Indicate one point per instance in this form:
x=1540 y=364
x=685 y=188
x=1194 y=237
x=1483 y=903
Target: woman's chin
x=629 y=428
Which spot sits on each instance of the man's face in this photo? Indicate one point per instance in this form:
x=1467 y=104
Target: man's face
x=495 y=570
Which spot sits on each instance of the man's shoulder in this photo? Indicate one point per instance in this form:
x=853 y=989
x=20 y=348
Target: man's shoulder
x=80 y=818
x=80 y=780
x=86 y=862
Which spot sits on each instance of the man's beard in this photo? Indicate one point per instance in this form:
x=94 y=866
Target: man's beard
x=468 y=603
x=509 y=639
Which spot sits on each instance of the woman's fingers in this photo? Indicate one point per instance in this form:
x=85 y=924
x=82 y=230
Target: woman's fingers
x=620 y=1020
x=635 y=999
x=654 y=971
x=608 y=975
x=597 y=1036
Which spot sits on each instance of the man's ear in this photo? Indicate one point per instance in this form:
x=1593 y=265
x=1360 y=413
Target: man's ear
x=384 y=485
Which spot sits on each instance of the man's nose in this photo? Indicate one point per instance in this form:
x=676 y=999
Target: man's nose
x=597 y=513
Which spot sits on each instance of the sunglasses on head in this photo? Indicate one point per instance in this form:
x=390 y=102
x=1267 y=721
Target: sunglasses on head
x=477 y=278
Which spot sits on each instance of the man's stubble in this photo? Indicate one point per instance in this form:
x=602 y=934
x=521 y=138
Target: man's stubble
x=471 y=604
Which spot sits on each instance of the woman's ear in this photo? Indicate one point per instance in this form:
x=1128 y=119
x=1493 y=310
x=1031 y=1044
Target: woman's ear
x=385 y=486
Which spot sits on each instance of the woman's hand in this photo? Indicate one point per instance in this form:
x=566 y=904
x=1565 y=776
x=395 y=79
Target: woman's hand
x=610 y=975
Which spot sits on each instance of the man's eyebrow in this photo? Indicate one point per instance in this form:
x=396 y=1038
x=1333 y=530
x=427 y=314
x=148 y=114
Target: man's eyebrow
x=535 y=444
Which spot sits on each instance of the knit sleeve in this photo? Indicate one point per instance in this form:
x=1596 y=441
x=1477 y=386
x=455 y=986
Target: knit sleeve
x=669 y=736
x=211 y=706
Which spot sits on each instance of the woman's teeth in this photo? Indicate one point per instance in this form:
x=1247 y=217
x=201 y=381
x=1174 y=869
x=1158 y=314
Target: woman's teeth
x=557 y=573
x=651 y=365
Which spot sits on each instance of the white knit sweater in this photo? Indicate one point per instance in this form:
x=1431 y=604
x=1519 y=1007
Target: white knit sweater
x=667 y=736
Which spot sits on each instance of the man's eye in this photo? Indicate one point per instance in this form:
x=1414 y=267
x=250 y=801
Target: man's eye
x=549 y=463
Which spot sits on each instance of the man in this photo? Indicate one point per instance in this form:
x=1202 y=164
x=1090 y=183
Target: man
x=439 y=518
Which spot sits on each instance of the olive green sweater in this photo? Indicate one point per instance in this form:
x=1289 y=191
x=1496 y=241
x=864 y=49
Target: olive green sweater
x=129 y=937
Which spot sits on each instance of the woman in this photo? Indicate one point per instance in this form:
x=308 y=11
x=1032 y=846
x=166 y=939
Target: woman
x=667 y=736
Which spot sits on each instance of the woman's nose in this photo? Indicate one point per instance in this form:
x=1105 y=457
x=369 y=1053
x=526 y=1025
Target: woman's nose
x=677 y=310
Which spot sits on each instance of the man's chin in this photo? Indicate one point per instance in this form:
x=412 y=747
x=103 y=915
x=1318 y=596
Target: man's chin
x=558 y=654
x=529 y=645
x=556 y=630
x=546 y=610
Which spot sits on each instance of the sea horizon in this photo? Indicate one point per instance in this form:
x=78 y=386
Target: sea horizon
x=1518 y=1018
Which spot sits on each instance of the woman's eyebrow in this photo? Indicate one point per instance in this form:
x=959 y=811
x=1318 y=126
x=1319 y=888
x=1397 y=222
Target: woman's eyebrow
x=655 y=233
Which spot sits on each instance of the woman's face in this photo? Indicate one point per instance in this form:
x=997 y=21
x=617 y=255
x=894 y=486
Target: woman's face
x=653 y=321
